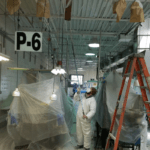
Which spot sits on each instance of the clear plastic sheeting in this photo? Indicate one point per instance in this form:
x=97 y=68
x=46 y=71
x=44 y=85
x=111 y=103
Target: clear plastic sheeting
x=134 y=120
x=35 y=120
x=8 y=144
x=102 y=115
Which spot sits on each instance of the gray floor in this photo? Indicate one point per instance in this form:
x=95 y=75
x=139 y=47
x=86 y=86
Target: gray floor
x=6 y=142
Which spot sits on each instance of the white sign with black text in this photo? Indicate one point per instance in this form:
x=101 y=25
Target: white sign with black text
x=28 y=41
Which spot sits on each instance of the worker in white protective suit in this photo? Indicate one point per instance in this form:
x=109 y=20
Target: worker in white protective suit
x=86 y=111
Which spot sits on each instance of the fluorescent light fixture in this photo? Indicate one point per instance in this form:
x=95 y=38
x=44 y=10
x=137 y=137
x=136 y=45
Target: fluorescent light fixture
x=89 y=60
x=80 y=68
x=89 y=54
x=53 y=97
x=4 y=57
x=58 y=70
x=94 y=43
x=16 y=93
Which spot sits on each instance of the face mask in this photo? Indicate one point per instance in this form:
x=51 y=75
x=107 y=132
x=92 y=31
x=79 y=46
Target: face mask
x=87 y=94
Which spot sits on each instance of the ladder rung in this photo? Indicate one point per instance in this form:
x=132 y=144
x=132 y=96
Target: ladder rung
x=143 y=87
x=127 y=74
x=147 y=102
x=112 y=136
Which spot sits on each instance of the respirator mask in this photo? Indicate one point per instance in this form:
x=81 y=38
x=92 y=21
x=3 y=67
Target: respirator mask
x=88 y=91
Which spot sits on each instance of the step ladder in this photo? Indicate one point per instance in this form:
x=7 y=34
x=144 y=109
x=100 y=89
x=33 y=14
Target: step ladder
x=138 y=64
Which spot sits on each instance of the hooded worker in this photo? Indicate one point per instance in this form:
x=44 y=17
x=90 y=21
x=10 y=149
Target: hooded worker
x=86 y=111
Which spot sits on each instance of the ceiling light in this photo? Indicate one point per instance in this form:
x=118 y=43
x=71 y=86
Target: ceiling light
x=89 y=60
x=80 y=68
x=16 y=93
x=94 y=43
x=58 y=70
x=53 y=97
x=4 y=57
x=89 y=54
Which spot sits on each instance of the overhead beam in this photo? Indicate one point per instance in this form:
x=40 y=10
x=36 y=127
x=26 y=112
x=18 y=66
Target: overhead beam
x=74 y=17
x=106 y=34
x=103 y=45
x=4 y=34
x=89 y=18
x=82 y=33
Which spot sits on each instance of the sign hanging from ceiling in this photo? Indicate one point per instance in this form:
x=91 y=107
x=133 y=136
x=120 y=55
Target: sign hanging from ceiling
x=28 y=41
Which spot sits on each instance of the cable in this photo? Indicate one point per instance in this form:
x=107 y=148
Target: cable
x=77 y=74
x=44 y=14
x=14 y=17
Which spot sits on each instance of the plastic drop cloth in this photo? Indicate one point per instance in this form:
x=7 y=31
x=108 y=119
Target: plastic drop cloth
x=134 y=120
x=6 y=143
x=102 y=115
x=35 y=120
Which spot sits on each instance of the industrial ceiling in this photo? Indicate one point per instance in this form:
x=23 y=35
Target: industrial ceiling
x=89 y=19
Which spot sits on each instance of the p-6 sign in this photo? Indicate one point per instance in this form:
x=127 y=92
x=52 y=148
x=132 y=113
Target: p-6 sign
x=28 y=41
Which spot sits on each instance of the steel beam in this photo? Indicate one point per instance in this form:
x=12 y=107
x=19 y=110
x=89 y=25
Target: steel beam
x=4 y=34
x=106 y=34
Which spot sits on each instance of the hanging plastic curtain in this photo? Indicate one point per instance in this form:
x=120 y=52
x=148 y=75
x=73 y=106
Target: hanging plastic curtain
x=13 y=6
x=43 y=8
x=137 y=13
x=119 y=8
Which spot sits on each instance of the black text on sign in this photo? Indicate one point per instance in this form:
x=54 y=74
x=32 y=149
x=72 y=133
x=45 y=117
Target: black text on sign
x=28 y=41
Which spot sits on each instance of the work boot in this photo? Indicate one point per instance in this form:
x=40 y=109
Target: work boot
x=79 y=147
x=86 y=148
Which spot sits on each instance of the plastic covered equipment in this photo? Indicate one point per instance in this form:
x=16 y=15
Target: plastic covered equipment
x=34 y=119
x=102 y=115
x=134 y=120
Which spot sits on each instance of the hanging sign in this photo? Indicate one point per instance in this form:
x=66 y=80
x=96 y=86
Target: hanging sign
x=28 y=41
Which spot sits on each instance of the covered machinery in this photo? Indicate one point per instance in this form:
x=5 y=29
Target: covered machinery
x=35 y=120
x=135 y=119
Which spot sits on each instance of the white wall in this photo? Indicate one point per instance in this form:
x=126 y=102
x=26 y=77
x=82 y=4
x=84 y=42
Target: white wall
x=8 y=77
x=89 y=73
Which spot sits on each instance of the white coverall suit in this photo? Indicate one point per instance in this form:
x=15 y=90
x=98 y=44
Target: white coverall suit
x=83 y=126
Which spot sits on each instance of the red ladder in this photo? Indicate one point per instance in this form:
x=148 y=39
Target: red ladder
x=138 y=62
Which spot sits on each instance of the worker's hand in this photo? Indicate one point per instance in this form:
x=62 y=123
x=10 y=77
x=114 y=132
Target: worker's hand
x=85 y=117
x=78 y=90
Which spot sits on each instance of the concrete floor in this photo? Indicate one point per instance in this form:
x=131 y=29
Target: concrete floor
x=6 y=142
